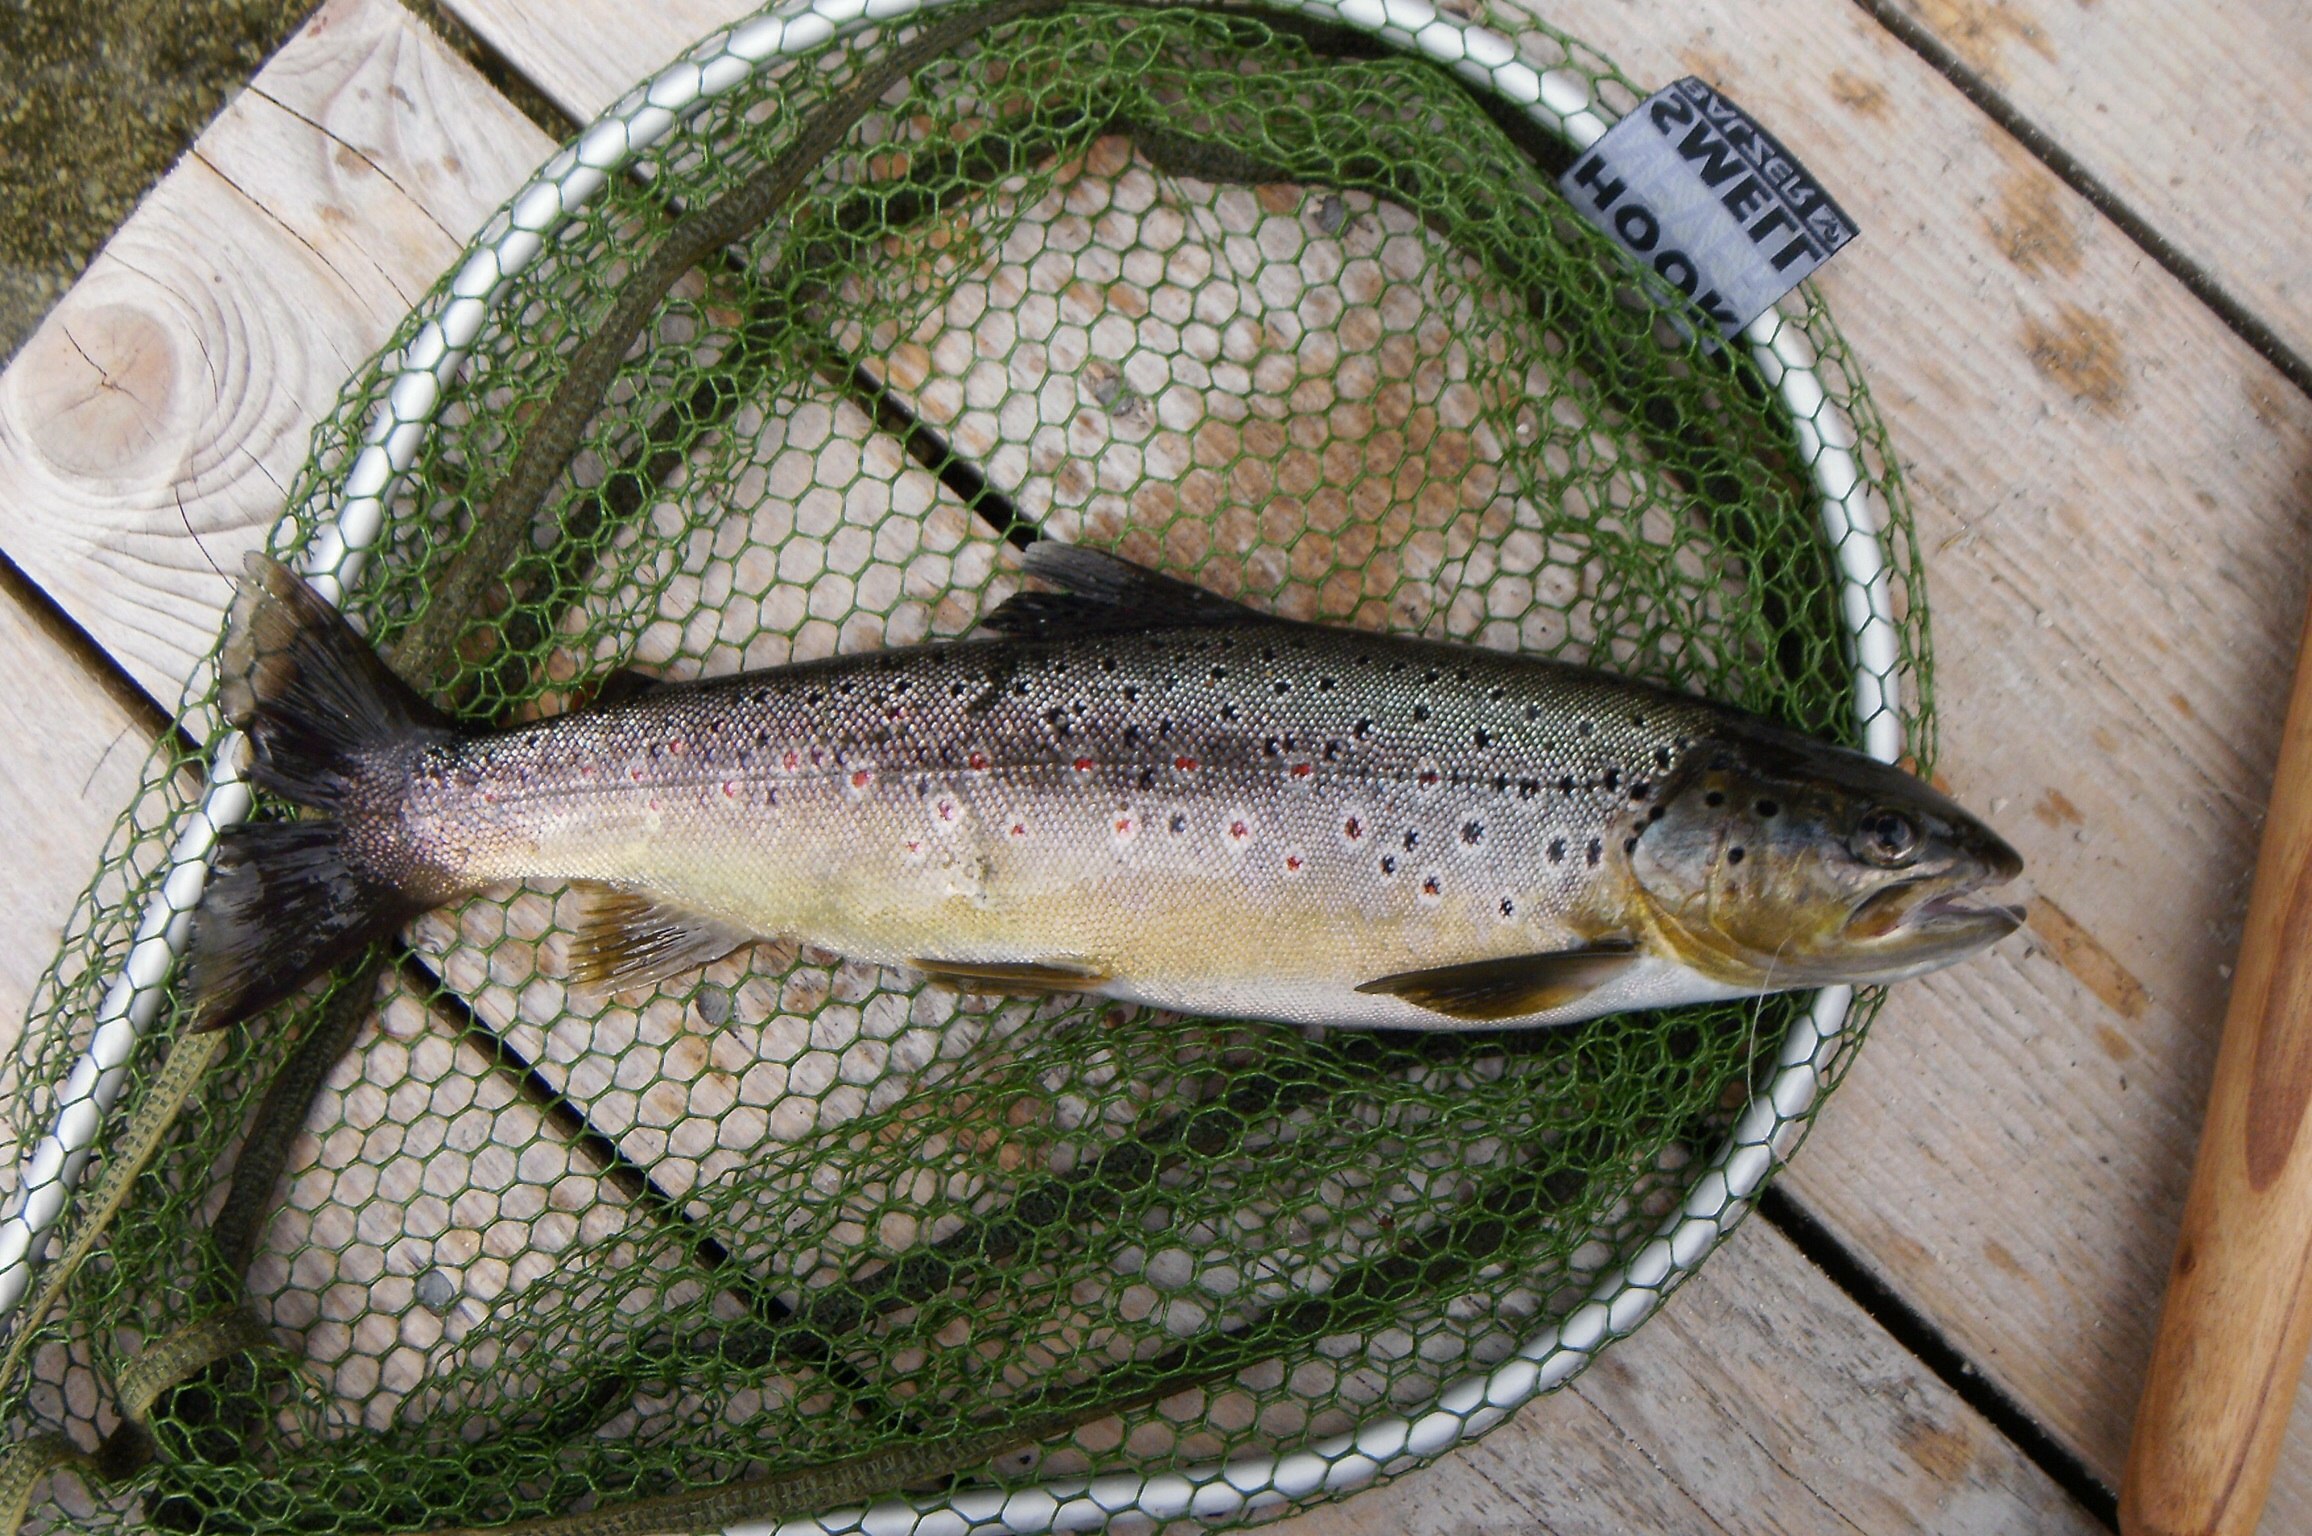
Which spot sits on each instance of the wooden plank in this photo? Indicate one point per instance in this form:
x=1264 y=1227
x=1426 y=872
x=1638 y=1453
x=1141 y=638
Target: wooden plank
x=176 y=385
x=2109 y=488
x=76 y=755
x=2194 y=117
x=560 y=46
x=1742 y=1408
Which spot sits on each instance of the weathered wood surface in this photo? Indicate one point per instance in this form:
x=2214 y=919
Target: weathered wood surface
x=75 y=755
x=176 y=385
x=2196 y=119
x=2111 y=494
x=1760 y=1402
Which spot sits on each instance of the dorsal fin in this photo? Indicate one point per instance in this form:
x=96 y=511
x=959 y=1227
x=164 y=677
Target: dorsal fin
x=1104 y=593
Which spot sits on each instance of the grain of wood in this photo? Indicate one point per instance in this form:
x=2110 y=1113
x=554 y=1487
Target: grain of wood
x=76 y=755
x=2194 y=119
x=2110 y=491
x=1743 y=1408
x=176 y=385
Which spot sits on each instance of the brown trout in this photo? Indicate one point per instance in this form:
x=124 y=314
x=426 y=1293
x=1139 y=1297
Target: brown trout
x=1130 y=787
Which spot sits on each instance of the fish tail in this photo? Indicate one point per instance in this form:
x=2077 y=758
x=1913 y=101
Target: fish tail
x=332 y=729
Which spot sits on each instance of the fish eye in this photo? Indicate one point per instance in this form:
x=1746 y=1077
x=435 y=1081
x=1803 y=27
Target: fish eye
x=1886 y=838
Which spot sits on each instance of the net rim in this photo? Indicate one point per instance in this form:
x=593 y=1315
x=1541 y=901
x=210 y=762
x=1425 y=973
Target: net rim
x=1559 y=102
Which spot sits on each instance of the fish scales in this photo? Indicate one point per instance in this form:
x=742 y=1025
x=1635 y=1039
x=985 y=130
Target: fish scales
x=1135 y=788
x=1236 y=822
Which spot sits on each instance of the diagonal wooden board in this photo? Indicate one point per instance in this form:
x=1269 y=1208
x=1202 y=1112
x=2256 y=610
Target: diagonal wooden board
x=175 y=386
x=155 y=607
x=2197 y=121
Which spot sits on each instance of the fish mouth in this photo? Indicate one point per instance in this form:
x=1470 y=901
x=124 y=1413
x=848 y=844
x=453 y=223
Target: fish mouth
x=1929 y=922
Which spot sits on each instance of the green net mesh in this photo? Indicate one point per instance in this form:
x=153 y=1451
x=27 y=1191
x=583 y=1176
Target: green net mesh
x=1251 y=299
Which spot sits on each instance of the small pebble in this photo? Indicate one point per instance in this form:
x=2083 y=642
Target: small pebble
x=436 y=1291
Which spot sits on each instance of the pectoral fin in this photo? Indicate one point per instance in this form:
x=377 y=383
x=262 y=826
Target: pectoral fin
x=627 y=939
x=1486 y=991
x=1012 y=976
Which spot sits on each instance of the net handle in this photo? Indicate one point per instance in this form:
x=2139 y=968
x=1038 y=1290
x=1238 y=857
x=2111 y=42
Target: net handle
x=1559 y=102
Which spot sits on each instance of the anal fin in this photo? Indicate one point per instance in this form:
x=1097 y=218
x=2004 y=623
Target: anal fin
x=1487 y=991
x=1012 y=976
x=629 y=939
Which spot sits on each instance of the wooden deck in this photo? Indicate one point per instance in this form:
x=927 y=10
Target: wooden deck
x=2112 y=468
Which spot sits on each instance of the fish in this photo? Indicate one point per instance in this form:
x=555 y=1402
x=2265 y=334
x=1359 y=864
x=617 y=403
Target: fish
x=1123 y=785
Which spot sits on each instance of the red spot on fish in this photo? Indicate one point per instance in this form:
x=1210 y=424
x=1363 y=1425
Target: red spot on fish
x=1352 y=829
x=1239 y=830
x=489 y=797
x=1123 y=824
x=1185 y=764
x=794 y=760
x=1019 y=830
x=1428 y=777
x=1429 y=886
x=977 y=760
x=730 y=788
x=676 y=747
x=1303 y=770
x=1292 y=861
x=1083 y=765
x=860 y=778
x=914 y=847
x=947 y=810
x=637 y=775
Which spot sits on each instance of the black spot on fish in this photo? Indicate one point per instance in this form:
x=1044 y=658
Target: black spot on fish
x=1420 y=713
x=815 y=695
x=1228 y=711
x=1362 y=729
x=1219 y=674
x=1655 y=814
x=1565 y=784
x=1768 y=808
x=1662 y=758
x=1179 y=822
x=1412 y=839
x=1639 y=721
x=1630 y=845
x=1556 y=850
x=1714 y=798
x=1131 y=693
x=1429 y=676
x=1472 y=832
x=1501 y=783
x=1283 y=687
x=1528 y=788
x=1508 y=907
x=1483 y=738
x=1494 y=693
x=1734 y=855
x=1640 y=790
x=1107 y=663
x=1388 y=863
x=1147 y=778
x=1596 y=849
x=1333 y=751
x=1430 y=887
x=1324 y=685
x=1613 y=778
x=1583 y=728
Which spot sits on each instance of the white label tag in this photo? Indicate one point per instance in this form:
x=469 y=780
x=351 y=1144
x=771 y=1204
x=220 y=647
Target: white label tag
x=1708 y=201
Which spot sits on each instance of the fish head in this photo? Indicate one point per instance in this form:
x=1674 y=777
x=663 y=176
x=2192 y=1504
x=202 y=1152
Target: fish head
x=1771 y=860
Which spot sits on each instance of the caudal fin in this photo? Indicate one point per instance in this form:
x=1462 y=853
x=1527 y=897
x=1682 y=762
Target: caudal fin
x=330 y=728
